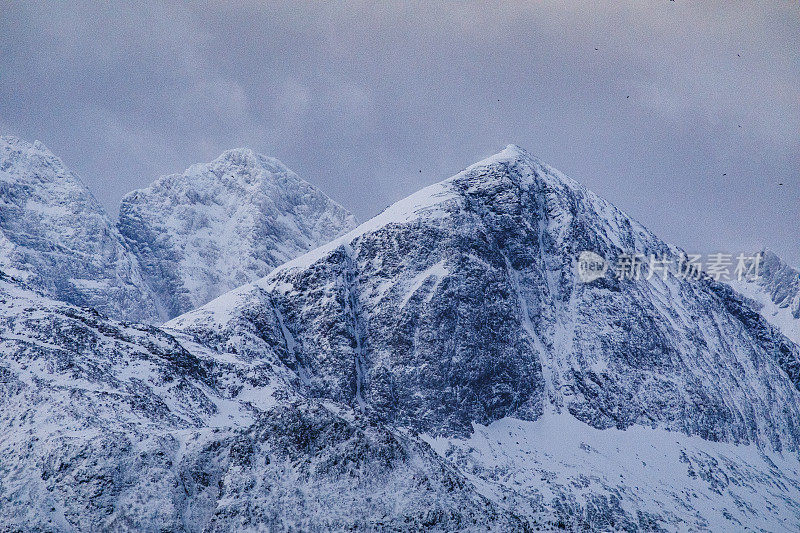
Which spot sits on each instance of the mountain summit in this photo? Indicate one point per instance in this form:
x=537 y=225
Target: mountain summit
x=222 y=224
x=461 y=304
x=56 y=237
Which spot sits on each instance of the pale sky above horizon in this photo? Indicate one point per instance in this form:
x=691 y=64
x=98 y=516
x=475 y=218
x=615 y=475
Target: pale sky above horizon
x=686 y=115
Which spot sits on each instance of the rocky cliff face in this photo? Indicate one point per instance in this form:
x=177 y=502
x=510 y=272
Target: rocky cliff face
x=55 y=235
x=223 y=224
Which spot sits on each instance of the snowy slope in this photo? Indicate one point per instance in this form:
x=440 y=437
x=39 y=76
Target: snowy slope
x=223 y=224
x=55 y=235
x=559 y=470
x=776 y=293
x=108 y=426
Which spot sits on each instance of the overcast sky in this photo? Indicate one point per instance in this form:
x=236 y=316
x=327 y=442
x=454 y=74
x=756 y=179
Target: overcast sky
x=648 y=103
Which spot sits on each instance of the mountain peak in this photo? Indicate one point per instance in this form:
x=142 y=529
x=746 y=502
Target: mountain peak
x=527 y=170
x=509 y=179
x=510 y=153
x=25 y=156
x=222 y=224
x=55 y=236
x=513 y=152
x=249 y=158
x=14 y=141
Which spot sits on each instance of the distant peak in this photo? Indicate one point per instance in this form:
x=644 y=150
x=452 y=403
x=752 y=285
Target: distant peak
x=32 y=159
x=771 y=261
x=514 y=150
x=239 y=153
x=249 y=158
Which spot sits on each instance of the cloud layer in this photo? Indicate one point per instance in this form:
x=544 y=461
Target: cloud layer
x=684 y=114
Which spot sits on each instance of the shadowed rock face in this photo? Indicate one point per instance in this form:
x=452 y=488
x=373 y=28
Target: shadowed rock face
x=55 y=235
x=461 y=304
x=223 y=224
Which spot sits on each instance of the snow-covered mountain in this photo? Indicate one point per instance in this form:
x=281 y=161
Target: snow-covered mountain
x=55 y=235
x=776 y=293
x=440 y=367
x=458 y=314
x=480 y=269
x=223 y=224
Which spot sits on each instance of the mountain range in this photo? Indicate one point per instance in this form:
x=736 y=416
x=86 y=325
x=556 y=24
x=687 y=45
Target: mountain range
x=439 y=367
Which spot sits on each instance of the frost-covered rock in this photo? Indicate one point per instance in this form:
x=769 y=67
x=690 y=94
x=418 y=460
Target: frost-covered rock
x=55 y=235
x=108 y=426
x=776 y=293
x=223 y=224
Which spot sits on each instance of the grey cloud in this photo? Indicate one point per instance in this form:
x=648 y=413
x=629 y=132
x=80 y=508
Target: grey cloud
x=359 y=98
